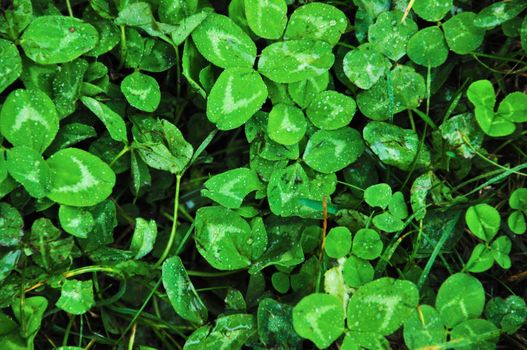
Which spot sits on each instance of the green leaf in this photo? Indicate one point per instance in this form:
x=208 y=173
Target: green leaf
x=174 y=11
x=357 y=272
x=478 y=334
x=58 y=39
x=457 y=130
x=427 y=47
x=317 y=21
x=424 y=328
x=493 y=124
x=483 y=221
x=76 y=297
x=501 y=249
x=280 y=282
x=275 y=324
x=8 y=262
x=10 y=64
x=266 y=18
x=508 y=314
x=223 y=43
x=145 y=233
x=460 y=297
x=367 y=244
x=141 y=177
x=397 y=206
x=462 y=36
x=141 y=91
x=290 y=189
x=67 y=86
x=70 y=134
x=518 y=199
x=29 y=118
x=109 y=37
x=395 y=146
x=481 y=94
x=498 y=13
x=304 y=91
x=29 y=313
x=161 y=145
x=517 y=222
x=237 y=94
x=187 y=26
x=364 y=340
x=514 y=107
x=28 y=167
x=364 y=66
x=113 y=122
x=79 y=178
x=331 y=110
x=338 y=242
x=480 y=260
x=389 y=36
x=329 y=151
x=181 y=293
x=408 y=88
x=10 y=225
x=104 y=215
x=382 y=306
x=223 y=238
x=378 y=195
x=319 y=318
x=286 y=125
x=239 y=327
x=388 y=223
x=295 y=60
x=432 y=10
x=135 y=14
x=231 y=187
x=76 y=221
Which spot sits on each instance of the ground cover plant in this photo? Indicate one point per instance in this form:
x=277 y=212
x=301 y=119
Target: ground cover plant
x=263 y=174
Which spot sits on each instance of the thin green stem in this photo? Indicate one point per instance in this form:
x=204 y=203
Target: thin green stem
x=465 y=139
x=138 y=313
x=88 y=269
x=172 y=237
x=68 y=5
x=211 y=274
x=120 y=154
x=123 y=47
x=68 y=330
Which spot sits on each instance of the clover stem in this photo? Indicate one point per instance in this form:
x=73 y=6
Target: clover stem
x=123 y=47
x=120 y=154
x=94 y=268
x=68 y=5
x=68 y=330
x=467 y=142
x=324 y=226
x=172 y=237
x=211 y=274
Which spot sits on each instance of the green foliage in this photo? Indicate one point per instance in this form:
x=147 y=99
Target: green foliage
x=262 y=174
x=319 y=318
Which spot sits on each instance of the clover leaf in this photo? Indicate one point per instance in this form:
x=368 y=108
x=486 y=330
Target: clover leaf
x=320 y=318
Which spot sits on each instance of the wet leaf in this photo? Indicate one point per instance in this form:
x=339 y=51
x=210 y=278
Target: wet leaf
x=460 y=297
x=237 y=94
x=181 y=292
x=319 y=318
x=328 y=151
x=58 y=39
